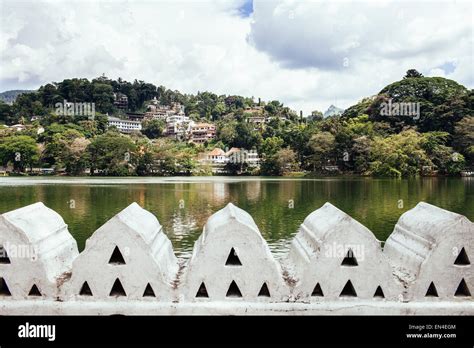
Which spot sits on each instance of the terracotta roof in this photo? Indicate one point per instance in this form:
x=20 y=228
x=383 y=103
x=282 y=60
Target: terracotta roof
x=216 y=152
x=203 y=125
x=232 y=150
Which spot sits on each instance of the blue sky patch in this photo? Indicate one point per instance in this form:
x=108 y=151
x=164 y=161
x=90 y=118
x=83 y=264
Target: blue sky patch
x=246 y=9
x=448 y=67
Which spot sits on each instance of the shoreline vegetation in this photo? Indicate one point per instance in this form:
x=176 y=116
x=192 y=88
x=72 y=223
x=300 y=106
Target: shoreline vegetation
x=418 y=126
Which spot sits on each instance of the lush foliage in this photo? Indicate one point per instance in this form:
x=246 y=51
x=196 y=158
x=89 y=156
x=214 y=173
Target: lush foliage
x=361 y=141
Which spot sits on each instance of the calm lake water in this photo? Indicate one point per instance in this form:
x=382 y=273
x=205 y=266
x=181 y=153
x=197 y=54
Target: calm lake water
x=278 y=205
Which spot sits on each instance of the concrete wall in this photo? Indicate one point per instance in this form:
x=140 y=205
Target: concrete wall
x=233 y=262
x=431 y=250
x=334 y=265
x=333 y=257
x=128 y=257
x=39 y=253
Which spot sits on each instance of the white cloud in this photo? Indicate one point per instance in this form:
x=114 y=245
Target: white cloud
x=293 y=51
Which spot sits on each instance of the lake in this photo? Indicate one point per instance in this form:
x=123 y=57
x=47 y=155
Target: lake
x=278 y=205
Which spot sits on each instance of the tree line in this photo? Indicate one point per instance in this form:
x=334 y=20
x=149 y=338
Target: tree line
x=363 y=141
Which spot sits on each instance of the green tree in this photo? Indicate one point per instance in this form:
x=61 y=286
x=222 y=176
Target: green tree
x=247 y=137
x=154 y=128
x=102 y=123
x=446 y=160
x=185 y=163
x=273 y=107
x=67 y=150
x=361 y=154
x=464 y=138
x=103 y=97
x=399 y=155
x=269 y=152
x=322 y=146
x=286 y=161
x=226 y=132
x=113 y=154
x=19 y=150
x=6 y=112
x=442 y=103
x=412 y=73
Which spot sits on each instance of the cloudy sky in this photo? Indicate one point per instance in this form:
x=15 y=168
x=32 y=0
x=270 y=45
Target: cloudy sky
x=307 y=54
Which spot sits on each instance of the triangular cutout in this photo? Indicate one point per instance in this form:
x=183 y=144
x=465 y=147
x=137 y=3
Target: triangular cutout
x=4 y=290
x=117 y=289
x=462 y=259
x=431 y=292
x=148 y=291
x=462 y=290
x=264 y=292
x=348 y=290
x=202 y=291
x=234 y=290
x=85 y=290
x=34 y=291
x=379 y=292
x=317 y=291
x=3 y=255
x=117 y=257
x=233 y=259
x=350 y=259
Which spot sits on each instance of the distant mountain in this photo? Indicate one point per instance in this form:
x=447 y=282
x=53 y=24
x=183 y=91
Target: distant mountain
x=333 y=111
x=10 y=96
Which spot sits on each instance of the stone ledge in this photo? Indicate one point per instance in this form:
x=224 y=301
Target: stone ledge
x=335 y=265
x=343 y=307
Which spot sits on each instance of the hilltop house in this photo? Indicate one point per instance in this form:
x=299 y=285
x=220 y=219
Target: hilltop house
x=157 y=111
x=258 y=122
x=217 y=156
x=178 y=126
x=124 y=126
x=202 y=132
x=120 y=101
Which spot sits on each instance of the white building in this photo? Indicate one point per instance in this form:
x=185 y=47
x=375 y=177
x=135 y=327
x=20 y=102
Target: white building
x=18 y=127
x=218 y=158
x=178 y=125
x=177 y=118
x=124 y=126
x=202 y=132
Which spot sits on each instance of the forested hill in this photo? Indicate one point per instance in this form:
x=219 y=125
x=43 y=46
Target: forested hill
x=373 y=137
x=443 y=103
x=101 y=91
x=10 y=96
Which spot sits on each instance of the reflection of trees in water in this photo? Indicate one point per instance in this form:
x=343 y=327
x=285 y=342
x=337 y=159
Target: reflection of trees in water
x=373 y=202
x=253 y=190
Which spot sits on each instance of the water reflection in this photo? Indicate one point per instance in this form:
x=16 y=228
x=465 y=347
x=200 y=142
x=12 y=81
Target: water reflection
x=277 y=205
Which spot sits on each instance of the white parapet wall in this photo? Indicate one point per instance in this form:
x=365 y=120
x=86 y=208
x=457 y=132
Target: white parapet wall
x=430 y=251
x=232 y=261
x=128 y=257
x=36 y=251
x=333 y=257
x=335 y=265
